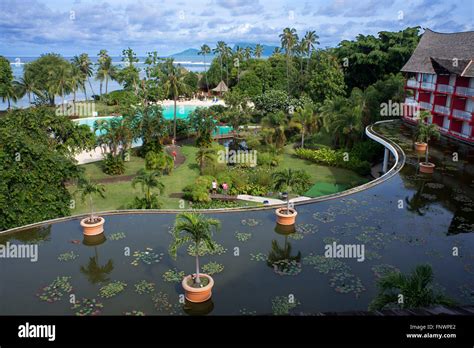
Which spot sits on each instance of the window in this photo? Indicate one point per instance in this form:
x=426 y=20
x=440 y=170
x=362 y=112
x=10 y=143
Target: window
x=427 y=78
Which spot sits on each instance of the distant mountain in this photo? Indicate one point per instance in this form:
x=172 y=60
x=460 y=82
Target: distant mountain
x=192 y=53
x=267 y=49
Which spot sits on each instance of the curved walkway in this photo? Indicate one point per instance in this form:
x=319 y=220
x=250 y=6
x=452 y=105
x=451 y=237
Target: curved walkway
x=394 y=148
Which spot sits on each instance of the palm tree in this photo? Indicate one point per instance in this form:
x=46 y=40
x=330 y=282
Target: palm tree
x=274 y=125
x=291 y=180
x=204 y=155
x=197 y=229
x=239 y=55
x=26 y=84
x=205 y=50
x=416 y=288
x=75 y=83
x=221 y=50
x=87 y=188
x=276 y=51
x=310 y=41
x=84 y=64
x=173 y=82
x=288 y=39
x=258 y=51
x=427 y=131
x=304 y=119
x=64 y=73
x=247 y=53
x=11 y=92
x=149 y=181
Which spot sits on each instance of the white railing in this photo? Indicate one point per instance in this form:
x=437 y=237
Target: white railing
x=442 y=109
x=428 y=85
x=465 y=91
x=445 y=88
x=462 y=114
x=426 y=106
x=410 y=101
x=412 y=83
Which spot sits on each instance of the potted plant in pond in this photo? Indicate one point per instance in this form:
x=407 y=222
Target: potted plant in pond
x=427 y=131
x=91 y=225
x=197 y=229
x=420 y=144
x=290 y=180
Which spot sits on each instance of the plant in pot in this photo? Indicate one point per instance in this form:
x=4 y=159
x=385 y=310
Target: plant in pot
x=292 y=181
x=427 y=131
x=91 y=225
x=420 y=144
x=197 y=229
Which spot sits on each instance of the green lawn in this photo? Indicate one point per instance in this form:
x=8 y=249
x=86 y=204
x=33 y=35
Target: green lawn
x=319 y=174
x=120 y=194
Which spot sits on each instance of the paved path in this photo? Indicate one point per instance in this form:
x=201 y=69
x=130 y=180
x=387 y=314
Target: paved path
x=271 y=201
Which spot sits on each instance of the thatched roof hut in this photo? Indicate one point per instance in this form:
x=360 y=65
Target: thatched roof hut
x=221 y=88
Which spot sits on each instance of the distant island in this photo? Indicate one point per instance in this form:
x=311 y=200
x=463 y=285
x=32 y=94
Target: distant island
x=193 y=52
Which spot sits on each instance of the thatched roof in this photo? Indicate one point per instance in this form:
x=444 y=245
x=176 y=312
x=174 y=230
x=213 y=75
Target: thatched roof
x=221 y=87
x=438 y=52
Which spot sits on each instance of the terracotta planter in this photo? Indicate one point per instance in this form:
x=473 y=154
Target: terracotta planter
x=92 y=229
x=421 y=147
x=286 y=219
x=427 y=167
x=198 y=295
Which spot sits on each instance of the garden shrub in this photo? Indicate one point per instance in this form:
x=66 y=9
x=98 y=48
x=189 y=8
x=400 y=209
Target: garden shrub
x=113 y=165
x=267 y=159
x=334 y=158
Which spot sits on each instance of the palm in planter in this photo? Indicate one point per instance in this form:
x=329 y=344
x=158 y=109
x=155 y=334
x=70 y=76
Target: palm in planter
x=292 y=181
x=92 y=225
x=197 y=229
x=427 y=131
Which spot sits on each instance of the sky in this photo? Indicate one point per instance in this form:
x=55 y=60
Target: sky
x=70 y=27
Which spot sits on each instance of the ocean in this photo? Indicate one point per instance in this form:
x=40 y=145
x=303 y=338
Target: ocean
x=192 y=63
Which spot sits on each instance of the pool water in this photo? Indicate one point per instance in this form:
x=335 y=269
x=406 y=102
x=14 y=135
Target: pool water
x=262 y=270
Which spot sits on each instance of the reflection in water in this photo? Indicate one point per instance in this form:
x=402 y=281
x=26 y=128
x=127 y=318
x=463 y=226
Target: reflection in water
x=203 y=308
x=280 y=257
x=417 y=203
x=35 y=235
x=94 y=272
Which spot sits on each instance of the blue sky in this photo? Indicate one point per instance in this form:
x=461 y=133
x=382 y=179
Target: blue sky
x=69 y=27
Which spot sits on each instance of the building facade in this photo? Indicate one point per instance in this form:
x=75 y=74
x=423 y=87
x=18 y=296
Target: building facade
x=440 y=79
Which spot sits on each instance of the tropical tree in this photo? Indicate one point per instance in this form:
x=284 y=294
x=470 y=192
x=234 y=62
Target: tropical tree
x=205 y=50
x=205 y=154
x=197 y=229
x=416 y=289
x=275 y=125
x=310 y=40
x=27 y=85
x=247 y=53
x=292 y=181
x=204 y=124
x=106 y=70
x=258 y=51
x=148 y=181
x=173 y=84
x=427 y=130
x=129 y=75
x=88 y=188
x=221 y=51
x=305 y=120
x=289 y=40
x=84 y=64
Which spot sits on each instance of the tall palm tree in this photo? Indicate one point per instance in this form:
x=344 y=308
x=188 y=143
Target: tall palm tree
x=247 y=53
x=416 y=288
x=87 y=188
x=239 y=55
x=276 y=51
x=310 y=41
x=75 y=83
x=291 y=180
x=173 y=82
x=288 y=39
x=194 y=228
x=258 y=51
x=205 y=50
x=149 y=181
x=204 y=155
x=221 y=49
x=106 y=70
x=304 y=119
x=84 y=64
x=26 y=84
x=63 y=75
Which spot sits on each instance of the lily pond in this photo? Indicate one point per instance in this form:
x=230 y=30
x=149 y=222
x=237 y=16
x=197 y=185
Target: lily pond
x=408 y=220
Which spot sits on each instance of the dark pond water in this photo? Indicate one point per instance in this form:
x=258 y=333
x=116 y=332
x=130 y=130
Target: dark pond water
x=436 y=215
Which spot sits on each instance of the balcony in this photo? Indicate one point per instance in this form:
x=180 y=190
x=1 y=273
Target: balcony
x=465 y=91
x=412 y=83
x=442 y=109
x=428 y=86
x=462 y=114
x=445 y=89
x=411 y=102
x=426 y=106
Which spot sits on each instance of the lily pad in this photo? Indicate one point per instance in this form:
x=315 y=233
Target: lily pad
x=147 y=257
x=173 y=276
x=87 y=306
x=56 y=290
x=212 y=268
x=242 y=236
x=144 y=287
x=117 y=236
x=112 y=289
x=282 y=305
x=68 y=256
